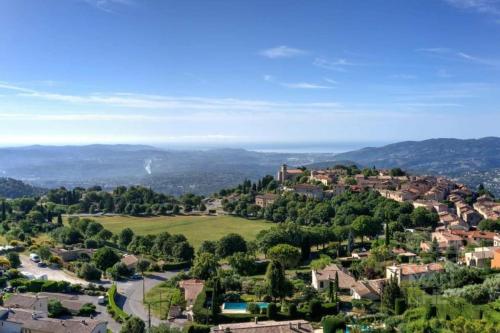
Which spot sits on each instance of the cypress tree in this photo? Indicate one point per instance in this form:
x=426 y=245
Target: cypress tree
x=59 y=219
x=387 y=235
x=4 y=211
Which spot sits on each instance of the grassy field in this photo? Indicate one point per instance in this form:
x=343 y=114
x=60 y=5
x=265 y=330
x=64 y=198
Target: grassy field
x=195 y=228
x=161 y=297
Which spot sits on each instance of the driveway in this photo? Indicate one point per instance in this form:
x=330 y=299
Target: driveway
x=52 y=274
x=129 y=296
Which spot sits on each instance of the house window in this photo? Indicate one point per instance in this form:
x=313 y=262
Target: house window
x=321 y=284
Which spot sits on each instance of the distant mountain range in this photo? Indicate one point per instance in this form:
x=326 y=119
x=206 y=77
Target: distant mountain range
x=206 y=171
x=170 y=171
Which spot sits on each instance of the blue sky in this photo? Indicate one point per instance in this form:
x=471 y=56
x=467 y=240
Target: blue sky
x=235 y=71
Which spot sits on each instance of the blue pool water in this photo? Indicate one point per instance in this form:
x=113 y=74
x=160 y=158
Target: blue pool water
x=241 y=305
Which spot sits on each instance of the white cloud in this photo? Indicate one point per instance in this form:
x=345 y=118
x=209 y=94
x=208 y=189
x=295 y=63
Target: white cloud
x=481 y=6
x=305 y=85
x=336 y=65
x=282 y=51
x=296 y=85
x=173 y=103
x=331 y=81
x=450 y=54
x=108 y=5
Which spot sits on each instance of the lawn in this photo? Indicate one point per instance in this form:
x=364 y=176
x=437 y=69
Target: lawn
x=195 y=228
x=161 y=297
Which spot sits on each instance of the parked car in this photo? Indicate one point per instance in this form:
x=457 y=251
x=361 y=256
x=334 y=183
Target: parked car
x=34 y=257
x=41 y=264
x=136 y=277
x=101 y=300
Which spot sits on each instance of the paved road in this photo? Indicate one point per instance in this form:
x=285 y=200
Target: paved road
x=52 y=274
x=130 y=295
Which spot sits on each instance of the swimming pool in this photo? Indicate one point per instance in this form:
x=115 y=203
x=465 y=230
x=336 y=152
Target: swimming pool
x=242 y=306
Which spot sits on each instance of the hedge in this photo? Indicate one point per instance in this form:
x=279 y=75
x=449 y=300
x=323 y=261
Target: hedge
x=227 y=318
x=115 y=311
x=196 y=328
x=176 y=265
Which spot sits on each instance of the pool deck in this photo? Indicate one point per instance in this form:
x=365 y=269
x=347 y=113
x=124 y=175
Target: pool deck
x=233 y=311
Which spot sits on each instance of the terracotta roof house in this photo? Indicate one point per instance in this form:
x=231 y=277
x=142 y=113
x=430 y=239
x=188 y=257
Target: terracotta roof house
x=192 y=288
x=446 y=240
x=68 y=255
x=368 y=289
x=130 y=261
x=70 y=302
x=310 y=191
x=27 y=321
x=270 y=326
x=28 y=302
x=321 y=278
x=475 y=236
x=412 y=272
x=265 y=199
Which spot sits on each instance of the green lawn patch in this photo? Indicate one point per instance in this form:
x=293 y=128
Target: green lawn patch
x=161 y=297
x=195 y=228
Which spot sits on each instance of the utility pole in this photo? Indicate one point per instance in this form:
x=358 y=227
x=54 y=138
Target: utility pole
x=149 y=317
x=143 y=289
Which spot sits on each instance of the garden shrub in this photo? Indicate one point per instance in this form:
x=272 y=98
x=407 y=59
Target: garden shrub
x=292 y=310
x=331 y=324
x=253 y=308
x=400 y=306
x=272 y=310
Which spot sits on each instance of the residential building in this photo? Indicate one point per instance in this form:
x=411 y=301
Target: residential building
x=310 y=191
x=28 y=321
x=68 y=255
x=496 y=240
x=488 y=208
x=192 y=288
x=325 y=177
x=448 y=220
x=431 y=205
x=437 y=193
x=268 y=326
x=475 y=237
x=368 y=289
x=467 y=213
x=265 y=199
x=130 y=261
x=446 y=240
x=400 y=195
x=70 y=302
x=28 y=302
x=480 y=257
x=412 y=272
x=495 y=262
x=321 y=278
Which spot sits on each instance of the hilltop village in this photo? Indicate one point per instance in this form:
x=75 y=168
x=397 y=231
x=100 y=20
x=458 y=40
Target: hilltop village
x=335 y=249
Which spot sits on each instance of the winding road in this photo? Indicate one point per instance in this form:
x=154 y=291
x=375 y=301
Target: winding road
x=129 y=296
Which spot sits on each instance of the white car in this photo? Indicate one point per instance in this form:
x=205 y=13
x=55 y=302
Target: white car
x=34 y=257
x=101 y=300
